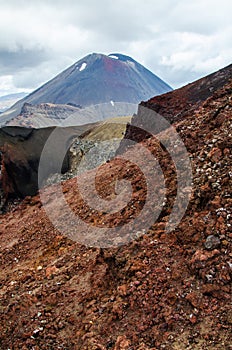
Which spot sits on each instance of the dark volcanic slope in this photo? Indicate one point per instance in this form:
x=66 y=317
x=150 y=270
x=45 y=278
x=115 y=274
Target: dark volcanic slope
x=174 y=105
x=96 y=79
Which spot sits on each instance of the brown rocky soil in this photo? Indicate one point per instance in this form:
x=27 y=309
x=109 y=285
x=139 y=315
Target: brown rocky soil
x=161 y=291
x=175 y=105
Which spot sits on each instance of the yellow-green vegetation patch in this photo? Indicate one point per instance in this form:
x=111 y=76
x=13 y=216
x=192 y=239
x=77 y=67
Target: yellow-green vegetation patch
x=112 y=128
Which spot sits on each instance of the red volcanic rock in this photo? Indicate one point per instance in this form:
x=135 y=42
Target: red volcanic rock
x=215 y=154
x=122 y=343
x=50 y=271
x=158 y=291
x=176 y=104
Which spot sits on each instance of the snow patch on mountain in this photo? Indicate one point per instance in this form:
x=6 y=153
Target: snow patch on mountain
x=83 y=66
x=113 y=56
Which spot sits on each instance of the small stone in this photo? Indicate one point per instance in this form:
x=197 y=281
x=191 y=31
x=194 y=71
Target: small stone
x=215 y=154
x=194 y=298
x=225 y=242
x=50 y=271
x=193 y=319
x=122 y=343
x=212 y=242
x=122 y=289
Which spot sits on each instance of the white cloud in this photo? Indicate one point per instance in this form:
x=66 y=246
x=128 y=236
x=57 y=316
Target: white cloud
x=6 y=84
x=198 y=53
x=177 y=39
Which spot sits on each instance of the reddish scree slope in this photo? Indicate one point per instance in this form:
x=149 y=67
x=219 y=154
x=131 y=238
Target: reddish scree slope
x=163 y=291
x=177 y=104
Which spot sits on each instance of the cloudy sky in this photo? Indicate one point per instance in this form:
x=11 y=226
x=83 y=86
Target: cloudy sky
x=179 y=40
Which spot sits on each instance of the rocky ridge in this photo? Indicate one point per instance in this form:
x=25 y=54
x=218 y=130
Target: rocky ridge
x=159 y=291
x=177 y=104
x=49 y=114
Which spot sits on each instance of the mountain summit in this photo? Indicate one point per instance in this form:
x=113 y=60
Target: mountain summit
x=96 y=79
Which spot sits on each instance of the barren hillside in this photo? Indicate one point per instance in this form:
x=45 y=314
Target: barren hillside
x=158 y=291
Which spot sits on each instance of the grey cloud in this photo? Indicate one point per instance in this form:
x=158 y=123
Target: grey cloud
x=177 y=39
x=203 y=17
x=13 y=62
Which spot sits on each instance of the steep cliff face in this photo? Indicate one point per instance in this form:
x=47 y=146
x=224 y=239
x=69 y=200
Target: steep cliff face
x=21 y=151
